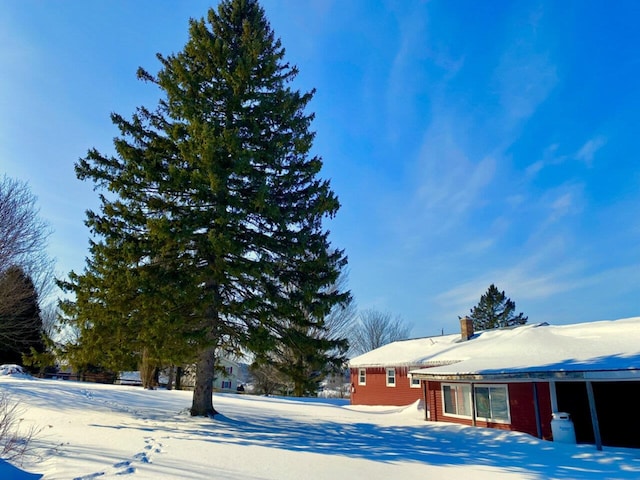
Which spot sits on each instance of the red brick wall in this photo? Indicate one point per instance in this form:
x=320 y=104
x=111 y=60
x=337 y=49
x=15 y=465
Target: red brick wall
x=376 y=392
x=521 y=407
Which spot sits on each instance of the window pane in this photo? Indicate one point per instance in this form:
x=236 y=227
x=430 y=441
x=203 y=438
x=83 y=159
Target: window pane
x=464 y=400
x=449 y=405
x=499 y=404
x=483 y=406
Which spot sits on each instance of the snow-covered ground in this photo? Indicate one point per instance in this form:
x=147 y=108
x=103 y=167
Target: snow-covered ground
x=93 y=431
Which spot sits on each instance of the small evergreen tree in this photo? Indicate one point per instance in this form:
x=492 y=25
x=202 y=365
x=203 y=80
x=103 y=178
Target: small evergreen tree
x=308 y=349
x=21 y=325
x=495 y=310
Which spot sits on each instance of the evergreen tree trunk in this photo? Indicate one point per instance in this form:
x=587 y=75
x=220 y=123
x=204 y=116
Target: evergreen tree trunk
x=179 y=378
x=147 y=370
x=202 y=405
x=171 y=375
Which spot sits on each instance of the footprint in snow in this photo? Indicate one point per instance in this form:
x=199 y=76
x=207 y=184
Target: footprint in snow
x=127 y=471
x=150 y=448
x=87 y=394
x=90 y=476
x=125 y=467
x=119 y=468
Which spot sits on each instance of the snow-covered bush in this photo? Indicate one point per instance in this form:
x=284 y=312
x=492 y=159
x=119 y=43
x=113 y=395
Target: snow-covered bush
x=11 y=369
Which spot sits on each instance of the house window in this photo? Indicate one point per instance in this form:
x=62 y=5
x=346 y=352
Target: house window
x=391 y=377
x=226 y=384
x=362 y=376
x=229 y=370
x=492 y=403
x=457 y=399
x=414 y=382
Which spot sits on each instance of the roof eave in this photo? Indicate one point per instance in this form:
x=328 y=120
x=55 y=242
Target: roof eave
x=596 y=375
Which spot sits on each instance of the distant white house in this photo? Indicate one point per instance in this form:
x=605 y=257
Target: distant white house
x=228 y=375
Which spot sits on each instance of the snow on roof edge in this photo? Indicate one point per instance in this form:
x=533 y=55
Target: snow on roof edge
x=605 y=343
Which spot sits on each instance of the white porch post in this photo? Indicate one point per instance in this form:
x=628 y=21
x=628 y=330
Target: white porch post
x=552 y=394
x=536 y=408
x=594 y=416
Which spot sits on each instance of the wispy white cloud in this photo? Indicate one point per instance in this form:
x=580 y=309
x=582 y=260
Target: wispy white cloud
x=524 y=79
x=589 y=149
x=451 y=182
x=407 y=84
x=551 y=157
x=525 y=74
x=464 y=148
x=534 y=168
x=403 y=79
x=17 y=58
x=531 y=279
x=561 y=202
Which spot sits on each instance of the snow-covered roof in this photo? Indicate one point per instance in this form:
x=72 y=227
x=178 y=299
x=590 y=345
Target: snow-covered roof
x=605 y=349
x=408 y=353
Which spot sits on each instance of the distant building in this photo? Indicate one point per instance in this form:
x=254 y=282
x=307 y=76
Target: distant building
x=228 y=375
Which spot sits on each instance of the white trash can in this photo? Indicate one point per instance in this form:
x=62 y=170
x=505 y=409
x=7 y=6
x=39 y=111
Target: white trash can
x=562 y=428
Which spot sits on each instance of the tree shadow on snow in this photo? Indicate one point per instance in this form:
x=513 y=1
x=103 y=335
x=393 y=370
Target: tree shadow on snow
x=432 y=444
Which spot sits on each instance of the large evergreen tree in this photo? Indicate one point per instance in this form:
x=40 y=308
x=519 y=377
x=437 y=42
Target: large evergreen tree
x=495 y=310
x=212 y=228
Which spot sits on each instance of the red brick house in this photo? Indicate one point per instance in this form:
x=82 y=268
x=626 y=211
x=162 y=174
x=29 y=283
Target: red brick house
x=381 y=377
x=514 y=379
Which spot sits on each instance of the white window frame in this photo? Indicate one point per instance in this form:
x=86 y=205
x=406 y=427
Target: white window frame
x=391 y=373
x=455 y=386
x=411 y=379
x=362 y=376
x=492 y=386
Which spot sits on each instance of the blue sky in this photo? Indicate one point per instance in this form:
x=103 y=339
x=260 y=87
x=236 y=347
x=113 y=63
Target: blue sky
x=469 y=143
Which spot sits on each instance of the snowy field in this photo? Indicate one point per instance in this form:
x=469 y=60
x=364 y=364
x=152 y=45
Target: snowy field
x=90 y=431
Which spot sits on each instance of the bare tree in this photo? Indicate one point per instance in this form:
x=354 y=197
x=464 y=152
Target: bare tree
x=23 y=234
x=375 y=329
x=343 y=316
x=268 y=380
x=26 y=271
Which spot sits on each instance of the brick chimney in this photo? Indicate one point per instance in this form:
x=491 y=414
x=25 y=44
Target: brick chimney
x=466 y=328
